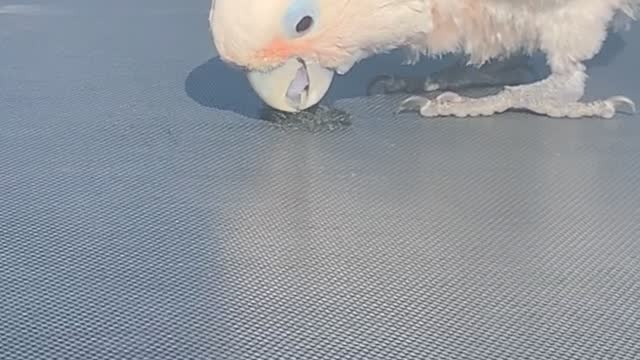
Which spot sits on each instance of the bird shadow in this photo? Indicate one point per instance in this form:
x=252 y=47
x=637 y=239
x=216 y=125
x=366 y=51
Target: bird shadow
x=214 y=84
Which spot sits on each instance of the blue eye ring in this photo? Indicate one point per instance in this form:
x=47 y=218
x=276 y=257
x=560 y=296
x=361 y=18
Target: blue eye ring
x=300 y=18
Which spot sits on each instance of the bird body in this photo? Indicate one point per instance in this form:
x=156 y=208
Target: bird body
x=260 y=36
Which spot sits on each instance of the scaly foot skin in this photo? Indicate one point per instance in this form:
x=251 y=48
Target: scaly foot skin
x=458 y=76
x=558 y=95
x=555 y=96
x=452 y=104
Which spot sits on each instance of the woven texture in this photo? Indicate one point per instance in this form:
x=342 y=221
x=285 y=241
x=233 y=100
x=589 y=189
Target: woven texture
x=145 y=213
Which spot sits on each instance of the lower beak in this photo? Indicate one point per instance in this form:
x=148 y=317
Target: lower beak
x=292 y=87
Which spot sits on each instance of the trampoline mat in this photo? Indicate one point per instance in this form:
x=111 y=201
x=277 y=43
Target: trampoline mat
x=147 y=212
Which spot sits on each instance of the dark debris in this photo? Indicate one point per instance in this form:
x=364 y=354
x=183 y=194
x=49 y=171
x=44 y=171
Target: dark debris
x=319 y=118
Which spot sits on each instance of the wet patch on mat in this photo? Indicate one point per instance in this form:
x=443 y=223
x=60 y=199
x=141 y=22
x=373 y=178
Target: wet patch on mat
x=320 y=118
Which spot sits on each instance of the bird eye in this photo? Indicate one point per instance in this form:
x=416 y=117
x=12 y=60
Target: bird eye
x=300 y=18
x=304 y=24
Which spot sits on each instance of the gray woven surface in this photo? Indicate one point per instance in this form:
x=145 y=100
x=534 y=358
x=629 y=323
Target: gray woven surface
x=144 y=214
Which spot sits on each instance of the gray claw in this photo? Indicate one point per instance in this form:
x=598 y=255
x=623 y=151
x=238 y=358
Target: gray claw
x=622 y=100
x=431 y=86
x=413 y=103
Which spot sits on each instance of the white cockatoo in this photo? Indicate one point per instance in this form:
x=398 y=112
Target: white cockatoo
x=292 y=49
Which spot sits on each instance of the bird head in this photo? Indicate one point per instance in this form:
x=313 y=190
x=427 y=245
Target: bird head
x=290 y=50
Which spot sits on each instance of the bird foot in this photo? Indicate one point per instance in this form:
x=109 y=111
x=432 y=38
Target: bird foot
x=452 y=104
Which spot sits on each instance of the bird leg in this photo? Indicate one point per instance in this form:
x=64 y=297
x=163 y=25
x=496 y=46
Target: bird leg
x=556 y=96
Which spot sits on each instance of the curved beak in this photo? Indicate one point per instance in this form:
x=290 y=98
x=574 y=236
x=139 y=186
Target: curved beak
x=292 y=87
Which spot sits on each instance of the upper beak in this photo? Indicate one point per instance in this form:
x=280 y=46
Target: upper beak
x=292 y=87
